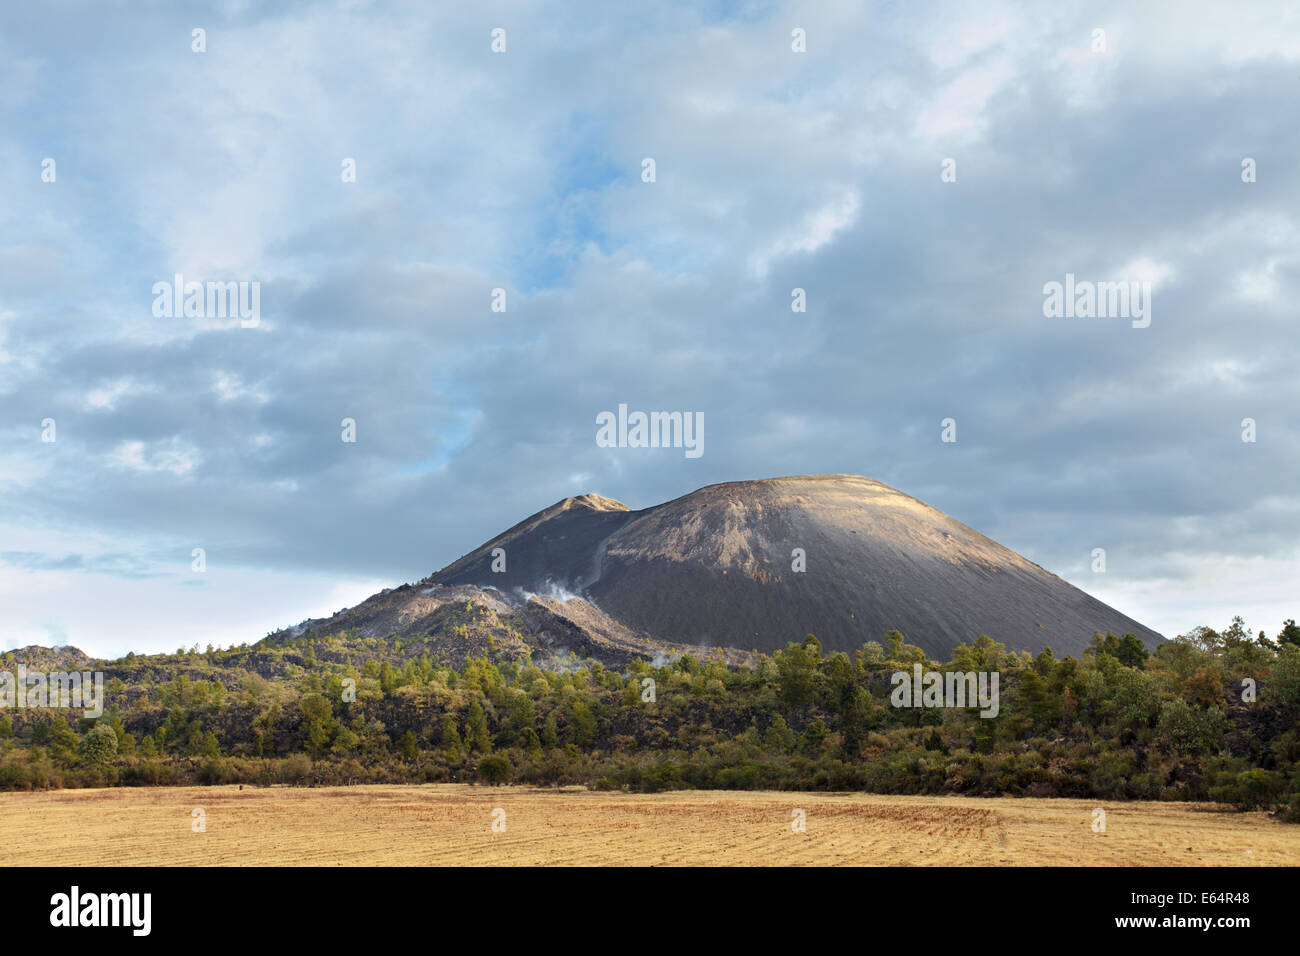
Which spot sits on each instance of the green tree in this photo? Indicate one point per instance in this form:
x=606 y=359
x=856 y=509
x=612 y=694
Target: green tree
x=529 y=741
x=814 y=736
x=901 y=652
x=1236 y=633
x=451 y=742
x=582 y=724
x=1132 y=652
x=1189 y=730
x=63 y=741
x=1283 y=683
x=985 y=654
x=476 y=732
x=387 y=679
x=522 y=715
x=797 y=675
x=872 y=656
x=345 y=741
x=1037 y=705
x=318 y=722
x=407 y=746
x=98 y=745
x=779 y=737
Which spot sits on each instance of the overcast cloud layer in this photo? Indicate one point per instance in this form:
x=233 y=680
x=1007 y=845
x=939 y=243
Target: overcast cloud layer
x=522 y=170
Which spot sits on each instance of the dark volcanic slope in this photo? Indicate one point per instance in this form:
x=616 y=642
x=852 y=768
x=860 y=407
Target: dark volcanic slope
x=556 y=548
x=714 y=567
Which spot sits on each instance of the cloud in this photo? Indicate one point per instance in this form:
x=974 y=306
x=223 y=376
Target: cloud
x=521 y=171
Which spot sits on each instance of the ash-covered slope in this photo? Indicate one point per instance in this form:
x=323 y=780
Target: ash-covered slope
x=715 y=567
x=556 y=551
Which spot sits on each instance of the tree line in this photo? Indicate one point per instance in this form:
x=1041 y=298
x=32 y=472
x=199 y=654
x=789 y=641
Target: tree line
x=1209 y=716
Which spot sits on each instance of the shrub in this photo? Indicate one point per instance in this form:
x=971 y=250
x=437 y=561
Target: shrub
x=1250 y=790
x=295 y=769
x=494 y=770
x=1290 y=812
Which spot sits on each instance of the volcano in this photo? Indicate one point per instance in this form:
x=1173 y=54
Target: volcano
x=753 y=564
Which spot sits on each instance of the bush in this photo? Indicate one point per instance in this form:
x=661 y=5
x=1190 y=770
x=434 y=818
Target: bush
x=1250 y=790
x=215 y=770
x=494 y=770
x=14 y=776
x=295 y=769
x=743 y=777
x=664 y=777
x=1290 y=812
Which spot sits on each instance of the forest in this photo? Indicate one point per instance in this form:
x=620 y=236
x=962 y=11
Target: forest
x=1209 y=716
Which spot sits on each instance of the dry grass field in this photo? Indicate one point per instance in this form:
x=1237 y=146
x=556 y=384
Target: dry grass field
x=452 y=825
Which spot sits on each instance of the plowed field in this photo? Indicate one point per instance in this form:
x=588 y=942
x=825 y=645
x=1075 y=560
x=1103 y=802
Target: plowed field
x=453 y=825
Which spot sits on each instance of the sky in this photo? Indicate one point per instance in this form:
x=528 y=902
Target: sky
x=921 y=171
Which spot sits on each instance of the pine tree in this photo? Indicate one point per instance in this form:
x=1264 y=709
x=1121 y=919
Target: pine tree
x=476 y=732
x=779 y=736
x=451 y=742
x=407 y=746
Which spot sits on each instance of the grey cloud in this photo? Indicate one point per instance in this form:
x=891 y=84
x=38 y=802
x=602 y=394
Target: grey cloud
x=523 y=172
